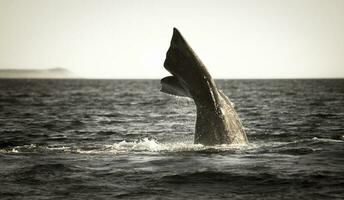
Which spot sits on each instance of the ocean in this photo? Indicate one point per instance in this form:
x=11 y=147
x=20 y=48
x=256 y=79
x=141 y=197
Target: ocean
x=123 y=139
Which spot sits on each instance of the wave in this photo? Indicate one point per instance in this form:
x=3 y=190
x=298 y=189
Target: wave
x=141 y=145
x=146 y=145
x=152 y=145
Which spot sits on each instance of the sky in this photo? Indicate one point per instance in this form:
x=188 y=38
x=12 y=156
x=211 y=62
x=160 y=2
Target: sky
x=129 y=38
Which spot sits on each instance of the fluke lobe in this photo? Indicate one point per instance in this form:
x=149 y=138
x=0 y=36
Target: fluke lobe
x=217 y=122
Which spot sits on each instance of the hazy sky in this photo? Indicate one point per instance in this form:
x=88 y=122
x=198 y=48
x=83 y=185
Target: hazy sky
x=129 y=39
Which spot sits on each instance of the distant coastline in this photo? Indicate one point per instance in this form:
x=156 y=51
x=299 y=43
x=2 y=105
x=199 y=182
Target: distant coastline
x=52 y=73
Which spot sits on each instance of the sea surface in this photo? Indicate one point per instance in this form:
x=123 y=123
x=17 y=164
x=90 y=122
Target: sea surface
x=123 y=139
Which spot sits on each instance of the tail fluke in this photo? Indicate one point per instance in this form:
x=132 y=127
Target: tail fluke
x=171 y=85
x=190 y=76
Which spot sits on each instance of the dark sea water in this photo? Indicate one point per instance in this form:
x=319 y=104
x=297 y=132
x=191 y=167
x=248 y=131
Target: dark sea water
x=123 y=139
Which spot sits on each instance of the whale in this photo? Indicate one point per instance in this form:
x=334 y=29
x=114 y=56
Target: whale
x=217 y=122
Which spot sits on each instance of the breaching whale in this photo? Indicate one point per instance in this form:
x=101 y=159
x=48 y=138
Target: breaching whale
x=217 y=122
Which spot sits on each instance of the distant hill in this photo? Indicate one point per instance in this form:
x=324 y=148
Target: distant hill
x=52 y=73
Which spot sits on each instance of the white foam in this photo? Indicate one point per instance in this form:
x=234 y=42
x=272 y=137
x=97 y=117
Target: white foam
x=151 y=145
x=144 y=145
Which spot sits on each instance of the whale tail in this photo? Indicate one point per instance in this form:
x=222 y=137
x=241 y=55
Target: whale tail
x=216 y=122
x=171 y=85
x=190 y=76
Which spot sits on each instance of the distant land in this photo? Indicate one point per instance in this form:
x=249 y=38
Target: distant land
x=52 y=73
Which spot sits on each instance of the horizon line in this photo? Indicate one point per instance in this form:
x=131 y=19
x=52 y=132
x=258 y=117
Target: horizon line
x=266 y=78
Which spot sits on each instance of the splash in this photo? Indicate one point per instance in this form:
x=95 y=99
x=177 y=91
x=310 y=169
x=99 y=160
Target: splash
x=147 y=146
x=144 y=145
x=151 y=145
